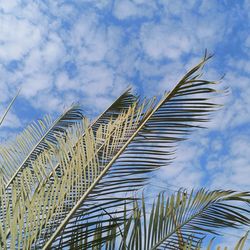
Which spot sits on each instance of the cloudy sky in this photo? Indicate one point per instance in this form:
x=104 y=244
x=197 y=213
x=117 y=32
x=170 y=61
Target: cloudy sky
x=60 y=52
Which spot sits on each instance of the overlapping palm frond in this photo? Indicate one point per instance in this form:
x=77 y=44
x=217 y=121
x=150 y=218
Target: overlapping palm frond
x=149 y=147
x=184 y=220
x=28 y=145
x=240 y=245
x=179 y=222
x=46 y=166
x=20 y=154
x=73 y=191
x=80 y=165
x=35 y=139
x=122 y=103
x=31 y=145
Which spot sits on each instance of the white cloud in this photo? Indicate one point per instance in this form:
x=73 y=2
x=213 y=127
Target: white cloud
x=161 y=42
x=93 y=42
x=49 y=102
x=124 y=9
x=99 y=4
x=4 y=90
x=177 y=8
x=63 y=82
x=247 y=42
x=235 y=111
x=93 y=49
x=18 y=37
x=11 y=120
x=185 y=171
x=188 y=32
x=97 y=80
x=36 y=83
x=7 y=6
x=230 y=169
x=240 y=65
x=52 y=51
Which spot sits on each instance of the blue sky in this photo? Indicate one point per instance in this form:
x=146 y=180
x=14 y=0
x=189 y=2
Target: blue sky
x=60 y=52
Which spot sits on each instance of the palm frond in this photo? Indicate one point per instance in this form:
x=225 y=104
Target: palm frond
x=20 y=154
x=122 y=103
x=31 y=145
x=147 y=148
x=182 y=222
x=94 y=171
x=156 y=227
x=35 y=138
x=54 y=197
x=38 y=170
x=8 y=108
x=240 y=245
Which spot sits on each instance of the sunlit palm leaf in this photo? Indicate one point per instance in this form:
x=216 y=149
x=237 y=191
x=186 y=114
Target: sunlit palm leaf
x=90 y=174
x=53 y=181
x=44 y=132
x=37 y=137
x=20 y=153
x=8 y=108
x=240 y=245
x=149 y=147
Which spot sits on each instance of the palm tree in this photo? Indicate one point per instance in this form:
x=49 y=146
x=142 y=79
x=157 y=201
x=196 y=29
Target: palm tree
x=70 y=183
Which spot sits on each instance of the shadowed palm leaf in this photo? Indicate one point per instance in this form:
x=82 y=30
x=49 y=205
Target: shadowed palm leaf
x=183 y=220
x=177 y=222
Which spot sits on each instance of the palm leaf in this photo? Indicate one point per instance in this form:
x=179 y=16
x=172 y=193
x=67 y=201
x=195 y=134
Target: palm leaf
x=39 y=134
x=36 y=161
x=191 y=216
x=122 y=103
x=8 y=108
x=107 y=162
x=240 y=245
x=53 y=182
x=52 y=202
x=149 y=147
x=29 y=146
x=20 y=153
x=154 y=227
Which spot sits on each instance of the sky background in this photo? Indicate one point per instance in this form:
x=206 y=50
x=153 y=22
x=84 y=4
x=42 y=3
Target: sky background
x=89 y=51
